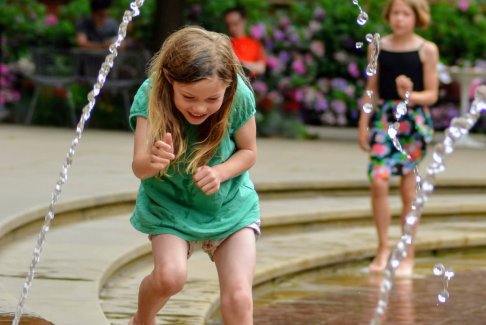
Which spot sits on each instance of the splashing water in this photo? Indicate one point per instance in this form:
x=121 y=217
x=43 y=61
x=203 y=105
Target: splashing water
x=375 y=51
x=104 y=70
x=459 y=127
x=359 y=45
x=447 y=275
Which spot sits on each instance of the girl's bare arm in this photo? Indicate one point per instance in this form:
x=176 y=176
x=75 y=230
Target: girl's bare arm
x=149 y=161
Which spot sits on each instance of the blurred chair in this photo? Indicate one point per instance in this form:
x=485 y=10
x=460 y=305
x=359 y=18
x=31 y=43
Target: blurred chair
x=54 y=68
x=128 y=71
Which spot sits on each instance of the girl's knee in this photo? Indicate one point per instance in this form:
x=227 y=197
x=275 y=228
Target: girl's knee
x=168 y=281
x=379 y=187
x=239 y=300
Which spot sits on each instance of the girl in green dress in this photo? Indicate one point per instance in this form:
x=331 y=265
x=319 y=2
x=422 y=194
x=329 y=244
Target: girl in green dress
x=195 y=139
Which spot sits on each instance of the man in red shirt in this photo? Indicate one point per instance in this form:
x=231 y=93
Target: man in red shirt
x=248 y=50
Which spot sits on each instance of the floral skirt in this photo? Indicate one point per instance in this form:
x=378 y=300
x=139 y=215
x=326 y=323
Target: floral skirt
x=414 y=132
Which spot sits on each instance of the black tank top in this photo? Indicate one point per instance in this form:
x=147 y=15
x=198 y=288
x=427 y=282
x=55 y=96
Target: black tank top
x=393 y=64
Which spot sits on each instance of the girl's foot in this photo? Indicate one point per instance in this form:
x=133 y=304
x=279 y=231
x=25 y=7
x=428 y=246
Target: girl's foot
x=380 y=260
x=405 y=270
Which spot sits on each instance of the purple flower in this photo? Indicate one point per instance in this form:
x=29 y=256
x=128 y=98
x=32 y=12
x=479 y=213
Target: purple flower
x=294 y=38
x=260 y=87
x=314 y=26
x=338 y=106
x=284 y=22
x=258 y=31
x=323 y=84
x=349 y=91
x=319 y=14
x=317 y=47
x=328 y=118
x=341 y=57
x=284 y=56
x=353 y=70
x=321 y=104
x=298 y=95
x=463 y=5
x=298 y=66
x=284 y=83
x=51 y=20
x=278 y=35
x=341 y=120
x=275 y=64
x=275 y=96
x=339 y=84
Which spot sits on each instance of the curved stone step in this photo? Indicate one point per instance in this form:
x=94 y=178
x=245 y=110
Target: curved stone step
x=277 y=256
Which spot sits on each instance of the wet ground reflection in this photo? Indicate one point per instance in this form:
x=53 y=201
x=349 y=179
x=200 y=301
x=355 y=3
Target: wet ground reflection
x=25 y=320
x=348 y=295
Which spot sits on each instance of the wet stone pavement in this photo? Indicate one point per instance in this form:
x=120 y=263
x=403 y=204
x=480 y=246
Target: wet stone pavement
x=347 y=295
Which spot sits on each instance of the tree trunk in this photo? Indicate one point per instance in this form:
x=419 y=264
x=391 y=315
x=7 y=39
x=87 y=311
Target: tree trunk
x=169 y=16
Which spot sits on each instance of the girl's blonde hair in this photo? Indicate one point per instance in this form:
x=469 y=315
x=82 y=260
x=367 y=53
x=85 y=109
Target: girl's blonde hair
x=189 y=55
x=420 y=8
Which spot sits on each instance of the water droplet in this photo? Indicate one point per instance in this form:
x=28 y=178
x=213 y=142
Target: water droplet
x=443 y=296
x=369 y=38
x=362 y=18
x=368 y=108
x=438 y=269
x=402 y=108
x=370 y=70
x=359 y=45
x=355 y=2
x=449 y=274
x=392 y=132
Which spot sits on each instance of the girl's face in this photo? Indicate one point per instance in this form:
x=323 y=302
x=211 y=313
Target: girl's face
x=198 y=100
x=402 y=18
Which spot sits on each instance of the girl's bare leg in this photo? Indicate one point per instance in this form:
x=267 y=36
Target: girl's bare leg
x=382 y=218
x=407 y=193
x=235 y=260
x=167 y=278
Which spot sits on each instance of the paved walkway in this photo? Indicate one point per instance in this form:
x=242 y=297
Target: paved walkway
x=31 y=159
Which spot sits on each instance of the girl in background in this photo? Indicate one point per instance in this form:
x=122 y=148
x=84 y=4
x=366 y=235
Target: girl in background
x=406 y=63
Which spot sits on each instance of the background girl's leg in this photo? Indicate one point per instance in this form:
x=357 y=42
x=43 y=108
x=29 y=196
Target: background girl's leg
x=382 y=218
x=167 y=278
x=407 y=193
x=235 y=260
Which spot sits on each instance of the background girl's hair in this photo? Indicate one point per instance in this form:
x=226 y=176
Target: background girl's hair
x=421 y=9
x=188 y=55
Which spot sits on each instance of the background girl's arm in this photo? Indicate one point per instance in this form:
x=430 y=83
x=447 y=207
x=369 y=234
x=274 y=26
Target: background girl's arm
x=149 y=162
x=208 y=179
x=430 y=94
x=364 y=118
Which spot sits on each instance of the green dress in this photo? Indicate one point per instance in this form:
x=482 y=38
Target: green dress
x=174 y=204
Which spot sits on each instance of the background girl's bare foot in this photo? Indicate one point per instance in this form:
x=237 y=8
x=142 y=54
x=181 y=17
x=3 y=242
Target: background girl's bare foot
x=405 y=269
x=380 y=260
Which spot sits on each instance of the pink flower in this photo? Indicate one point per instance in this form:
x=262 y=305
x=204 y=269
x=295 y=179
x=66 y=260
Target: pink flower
x=51 y=20
x=353 y=70
x=463 y=5
x=317 y=47
x=258 y=31
x=298 y=66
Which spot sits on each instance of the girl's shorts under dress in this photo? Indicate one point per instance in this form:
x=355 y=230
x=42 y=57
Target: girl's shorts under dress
x=415 y=131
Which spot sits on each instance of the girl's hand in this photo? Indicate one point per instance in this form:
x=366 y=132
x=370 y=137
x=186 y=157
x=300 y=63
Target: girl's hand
x=207 y=179
x=364 y=138
x=403 y=84
x=162 y=153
